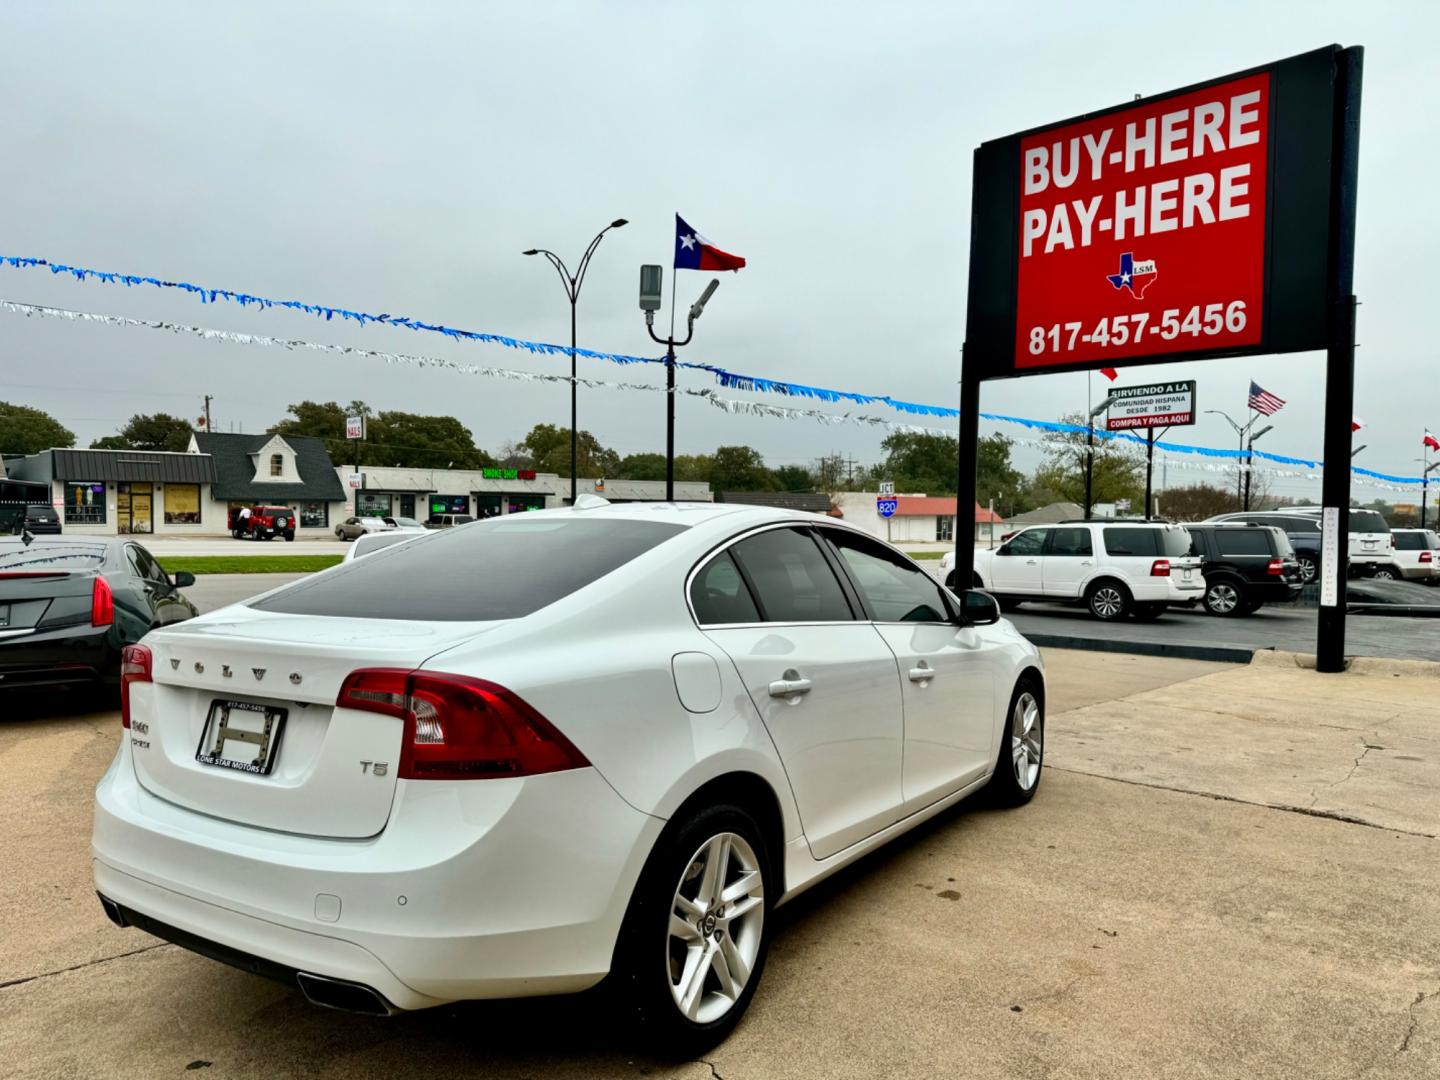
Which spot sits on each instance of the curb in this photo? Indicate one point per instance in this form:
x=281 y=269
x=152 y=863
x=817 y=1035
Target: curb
x=1223 y=654
x=1354 y=665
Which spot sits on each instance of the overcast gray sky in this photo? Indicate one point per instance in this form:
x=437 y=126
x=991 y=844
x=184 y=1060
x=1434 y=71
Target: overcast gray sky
x=398 y=157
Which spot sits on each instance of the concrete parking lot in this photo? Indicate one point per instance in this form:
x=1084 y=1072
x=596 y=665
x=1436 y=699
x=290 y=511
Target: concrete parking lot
x=1229 y=871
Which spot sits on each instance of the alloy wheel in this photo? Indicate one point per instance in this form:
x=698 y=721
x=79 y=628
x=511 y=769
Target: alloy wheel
x=1385 y=574
x=1027 y=740
x=1308 y=570
x=717 y=919
x=1107 y=602
x=1222 y=598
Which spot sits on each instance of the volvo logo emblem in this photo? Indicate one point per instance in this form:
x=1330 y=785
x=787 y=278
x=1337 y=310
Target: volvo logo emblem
x=225 y=670
x=174 y=663
x=199 y=668
x=258 y=672
x=295 y=678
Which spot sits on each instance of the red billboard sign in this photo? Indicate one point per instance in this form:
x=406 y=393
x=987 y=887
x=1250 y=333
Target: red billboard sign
x=1142 y=232
x=1193 y=223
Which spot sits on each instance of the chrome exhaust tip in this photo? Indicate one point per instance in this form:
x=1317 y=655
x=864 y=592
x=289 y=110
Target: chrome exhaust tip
x=345 y=996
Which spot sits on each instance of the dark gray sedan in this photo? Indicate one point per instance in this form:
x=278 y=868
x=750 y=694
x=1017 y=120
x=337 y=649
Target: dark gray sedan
x=69 y=604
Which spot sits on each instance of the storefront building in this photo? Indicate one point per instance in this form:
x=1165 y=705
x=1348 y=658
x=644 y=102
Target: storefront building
x=273 y=470
x=126 y=492
x=425 y=494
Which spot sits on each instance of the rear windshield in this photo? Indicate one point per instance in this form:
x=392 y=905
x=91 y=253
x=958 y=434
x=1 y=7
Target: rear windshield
x=1367 y=521
x=497 y=570
x=42 y=556
x=45 y=512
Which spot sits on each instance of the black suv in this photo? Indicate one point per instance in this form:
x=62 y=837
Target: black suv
x=1302 y=531
x=1246 y=566
x=39 y=520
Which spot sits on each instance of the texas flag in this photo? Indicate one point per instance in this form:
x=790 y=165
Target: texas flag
x=1356 y=424
x=1110 y=373
x=694 y=252
x=1430 y=442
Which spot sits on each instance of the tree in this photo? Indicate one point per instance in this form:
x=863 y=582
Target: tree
x=549 y=448
x=410 y=440
x=1119 y=471
x=928 y=462
x=153 y=431
x=740 y=468
x=1196 y=502
x=642 y=467
x=794 y=478
x=24 y=430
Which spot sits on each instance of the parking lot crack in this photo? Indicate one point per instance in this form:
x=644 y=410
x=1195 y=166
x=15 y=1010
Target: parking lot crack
x=76 y=967
x=1307 y=811
x=714 y=1072
x=1420 y=999
x=1366 y=747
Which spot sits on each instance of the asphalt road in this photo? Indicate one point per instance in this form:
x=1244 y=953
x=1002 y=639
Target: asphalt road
x=1169 y=906
x=1285 y=629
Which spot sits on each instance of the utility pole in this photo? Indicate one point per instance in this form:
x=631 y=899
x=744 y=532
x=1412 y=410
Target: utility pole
x=207 y=413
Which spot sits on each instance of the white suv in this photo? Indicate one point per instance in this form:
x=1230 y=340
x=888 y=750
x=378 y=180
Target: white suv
x=1416 y=557
x=1371 y=545
x=1114 y=568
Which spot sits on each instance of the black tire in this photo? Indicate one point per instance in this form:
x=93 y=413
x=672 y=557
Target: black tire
x=1108 y=600
x=1004 y=788
x=641 y=980
x=1385 y=572
x=1147 y=612
x=950 y=581
x=1225 y=596
x=1309 y=568
x=289 y=537
x=1252 y=606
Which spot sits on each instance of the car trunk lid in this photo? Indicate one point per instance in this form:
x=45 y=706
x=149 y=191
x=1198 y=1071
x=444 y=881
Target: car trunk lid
x=240 y=720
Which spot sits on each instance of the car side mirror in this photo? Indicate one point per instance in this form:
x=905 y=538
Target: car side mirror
x=978 y=608
x=184 y=579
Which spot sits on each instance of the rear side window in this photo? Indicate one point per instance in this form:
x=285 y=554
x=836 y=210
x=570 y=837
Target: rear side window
x=1242 y=541
x=1133 y=541
x=1410 y=541
x=793 y=582
x=1070 y=542
x=895 y=589
x=497 y=570
x=719 y=594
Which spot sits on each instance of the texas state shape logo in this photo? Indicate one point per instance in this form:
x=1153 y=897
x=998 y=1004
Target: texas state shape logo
x=1135 y=276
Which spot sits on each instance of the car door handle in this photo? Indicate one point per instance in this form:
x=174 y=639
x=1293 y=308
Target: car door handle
x=922 y=674
x=790 y=686
x=1032 y=562
x=1086 y=562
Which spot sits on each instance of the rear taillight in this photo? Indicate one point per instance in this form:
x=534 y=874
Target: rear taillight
x=1160 y=568
x=102 y=603
x=135 y=663
x=1425 y=556
x=1275 y=567
x=459 y=728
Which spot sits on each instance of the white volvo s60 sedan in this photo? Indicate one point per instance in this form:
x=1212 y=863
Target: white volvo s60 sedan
x=520 y=757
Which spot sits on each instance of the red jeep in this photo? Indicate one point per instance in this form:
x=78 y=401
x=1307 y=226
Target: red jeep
x=263 y=523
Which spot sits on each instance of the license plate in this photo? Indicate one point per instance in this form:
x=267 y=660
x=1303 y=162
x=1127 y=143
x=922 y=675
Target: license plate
x=1187 y=575
x=4 y=614
x=241 y=735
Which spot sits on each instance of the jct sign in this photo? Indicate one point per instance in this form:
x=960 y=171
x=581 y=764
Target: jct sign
x=1195 y=223
x=1157 y=405
x=1143 y=232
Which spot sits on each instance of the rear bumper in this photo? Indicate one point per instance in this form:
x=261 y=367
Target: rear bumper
x=475 y=889
x=48 y=658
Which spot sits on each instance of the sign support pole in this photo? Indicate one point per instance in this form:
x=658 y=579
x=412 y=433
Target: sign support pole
x=1149 y=468
x=965 y=477
x=1340 y=361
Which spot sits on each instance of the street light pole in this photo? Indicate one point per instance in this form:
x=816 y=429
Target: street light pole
x=1241 y=431
x=650 y=288
x=1250 y=461
x=1425 y=484
x=572 y=284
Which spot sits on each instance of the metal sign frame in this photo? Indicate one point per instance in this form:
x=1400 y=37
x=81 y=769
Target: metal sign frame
x=1180 y=418
x=1312 y=172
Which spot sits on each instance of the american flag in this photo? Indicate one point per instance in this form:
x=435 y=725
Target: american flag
x=1263 y=401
